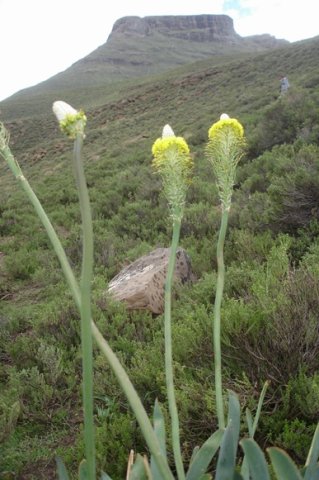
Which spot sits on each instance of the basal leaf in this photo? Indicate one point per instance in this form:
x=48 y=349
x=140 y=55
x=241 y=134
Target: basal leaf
x=204 y=455
x=159 y=429
x=313 y=454
x=258 y=468
x=283 y=465
x=227 y=455
x=61 y=470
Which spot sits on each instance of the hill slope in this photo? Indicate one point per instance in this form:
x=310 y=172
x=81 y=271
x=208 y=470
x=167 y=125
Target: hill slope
x=271 y=299
x=137 y=48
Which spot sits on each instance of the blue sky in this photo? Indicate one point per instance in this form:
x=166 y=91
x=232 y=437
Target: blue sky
x=238 y=6
x=40 y=38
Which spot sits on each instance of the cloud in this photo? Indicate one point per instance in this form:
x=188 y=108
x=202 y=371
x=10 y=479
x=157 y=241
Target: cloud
x=281 y=18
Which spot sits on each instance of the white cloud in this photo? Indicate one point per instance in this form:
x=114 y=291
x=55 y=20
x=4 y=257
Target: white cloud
x=281 y=18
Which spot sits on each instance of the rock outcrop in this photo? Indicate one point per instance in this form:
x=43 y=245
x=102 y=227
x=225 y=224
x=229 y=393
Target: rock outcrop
x=141 y=284
x=198 y=28
x=139 y=47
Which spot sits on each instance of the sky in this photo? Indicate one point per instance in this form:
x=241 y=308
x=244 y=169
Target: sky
x=40 y=38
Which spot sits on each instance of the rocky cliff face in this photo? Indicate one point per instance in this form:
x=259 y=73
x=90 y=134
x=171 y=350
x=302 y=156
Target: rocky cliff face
x=141 y=47
x=198 y=28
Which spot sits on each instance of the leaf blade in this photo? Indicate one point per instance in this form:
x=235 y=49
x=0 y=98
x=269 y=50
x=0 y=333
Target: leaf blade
x=227 y=455
x=160 y=432
x=283 y=465
x=258 y=468
x=204 y=456
x=61 y=469
x=313 y=453
x=138 y=470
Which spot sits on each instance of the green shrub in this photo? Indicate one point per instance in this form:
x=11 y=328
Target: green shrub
x=21 y=265
x=293 y=116
x=296 y=438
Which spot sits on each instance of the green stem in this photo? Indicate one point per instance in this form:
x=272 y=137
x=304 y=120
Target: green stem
x=65 y=265
x=217 y=322
x=85 y=310
x=168 y=353
x=135 y=403
x=118 y=370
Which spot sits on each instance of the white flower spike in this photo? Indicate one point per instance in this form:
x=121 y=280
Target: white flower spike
x=224 y=116
x=167 y=132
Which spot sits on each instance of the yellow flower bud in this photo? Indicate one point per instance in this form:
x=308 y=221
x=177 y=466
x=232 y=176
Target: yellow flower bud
x=226 y=124
x=168 y=145
x=162 y=148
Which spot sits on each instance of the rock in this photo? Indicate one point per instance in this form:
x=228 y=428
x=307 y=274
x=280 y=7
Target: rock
x=141 y=284
x=201 y=28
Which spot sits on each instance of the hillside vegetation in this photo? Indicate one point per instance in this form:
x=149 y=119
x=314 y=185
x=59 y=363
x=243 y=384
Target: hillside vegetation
x=271 y=303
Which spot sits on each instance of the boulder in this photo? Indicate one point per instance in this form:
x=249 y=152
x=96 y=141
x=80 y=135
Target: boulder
x=141 y=284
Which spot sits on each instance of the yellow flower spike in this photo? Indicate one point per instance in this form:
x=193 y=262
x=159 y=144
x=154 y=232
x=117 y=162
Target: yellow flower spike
x=167 y=145
x=172 y=160
x=226 y=124
x=71 y=121
x=224 y=149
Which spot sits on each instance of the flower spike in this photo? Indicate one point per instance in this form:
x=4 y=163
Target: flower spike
x=173 y=162
x=224 y=149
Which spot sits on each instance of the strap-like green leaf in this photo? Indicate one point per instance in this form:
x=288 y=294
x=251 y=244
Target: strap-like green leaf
x=259 y=407
x=313 y=454
x=252 y=426
x=249 y=420
x=159 y=429
x=284 y=467
x=138 y=471
x=204 y=455
x=159 y=426
x=83 y=472
x=227 y=455
x=195 y=450
x=244 y=471
x=62 y=471
x=234 y=416
x=258 y=468
x=311 y=472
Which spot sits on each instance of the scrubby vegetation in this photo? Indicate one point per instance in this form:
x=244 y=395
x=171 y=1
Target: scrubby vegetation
x=271 y=301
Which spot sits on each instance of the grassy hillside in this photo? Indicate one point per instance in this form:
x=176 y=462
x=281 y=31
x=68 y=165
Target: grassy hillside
x=131 y=54
x=271 y=301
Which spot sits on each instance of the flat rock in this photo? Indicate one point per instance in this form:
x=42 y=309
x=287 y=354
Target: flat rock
x=141 y=284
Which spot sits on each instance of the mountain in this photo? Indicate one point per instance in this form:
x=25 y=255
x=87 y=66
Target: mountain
x=138 y=48
x=271 y=302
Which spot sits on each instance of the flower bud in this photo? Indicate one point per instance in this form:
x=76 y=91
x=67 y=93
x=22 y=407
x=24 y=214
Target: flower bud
x=226 y=125
x=62 y=109
x=4 y=137
x=167 y=132
x=71 y=121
